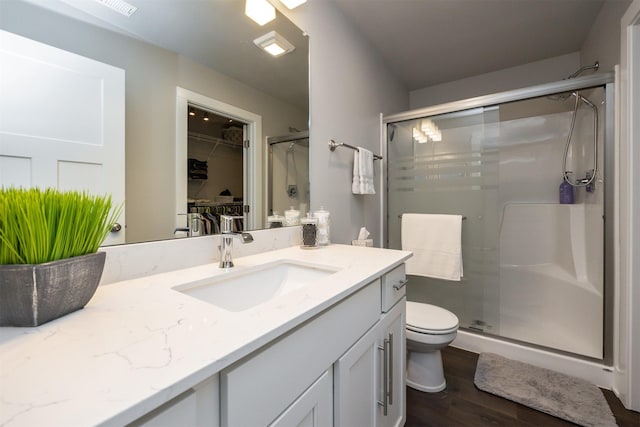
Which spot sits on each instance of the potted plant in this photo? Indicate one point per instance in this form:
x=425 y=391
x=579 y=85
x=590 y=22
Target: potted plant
x=49 y=264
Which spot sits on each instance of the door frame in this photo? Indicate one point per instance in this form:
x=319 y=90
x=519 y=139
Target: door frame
x=251 y=159
x=627 y=302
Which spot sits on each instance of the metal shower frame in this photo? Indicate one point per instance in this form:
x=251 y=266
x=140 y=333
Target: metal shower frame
x=573 y=84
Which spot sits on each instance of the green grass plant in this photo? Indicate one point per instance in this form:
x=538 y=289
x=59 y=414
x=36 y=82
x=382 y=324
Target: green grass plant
x=38 y=226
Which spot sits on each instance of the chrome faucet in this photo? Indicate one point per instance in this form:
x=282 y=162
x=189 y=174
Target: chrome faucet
x=226 y=239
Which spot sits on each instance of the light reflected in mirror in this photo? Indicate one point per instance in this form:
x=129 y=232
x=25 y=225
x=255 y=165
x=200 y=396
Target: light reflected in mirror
x=205 y=47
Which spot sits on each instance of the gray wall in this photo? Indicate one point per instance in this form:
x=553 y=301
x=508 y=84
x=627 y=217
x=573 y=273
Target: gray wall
x=539 y=72
x=349 y=87
x=603 y=42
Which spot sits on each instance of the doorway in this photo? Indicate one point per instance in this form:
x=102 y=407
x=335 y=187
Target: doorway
x=215 y=180
x=245 y=127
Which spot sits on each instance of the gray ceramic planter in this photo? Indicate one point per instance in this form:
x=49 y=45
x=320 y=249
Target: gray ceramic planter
x=33 y=294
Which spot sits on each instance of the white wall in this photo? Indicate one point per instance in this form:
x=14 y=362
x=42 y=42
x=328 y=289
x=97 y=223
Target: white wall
x=349 y=87
x=538 y=72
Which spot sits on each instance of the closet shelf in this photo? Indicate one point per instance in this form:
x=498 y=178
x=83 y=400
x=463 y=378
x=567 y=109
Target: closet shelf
x=213 y=140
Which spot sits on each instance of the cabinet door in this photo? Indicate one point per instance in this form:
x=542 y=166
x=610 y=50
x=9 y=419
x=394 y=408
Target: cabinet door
x=313 y=409
x=394 y=394
x=196 y=407
x=356 y=383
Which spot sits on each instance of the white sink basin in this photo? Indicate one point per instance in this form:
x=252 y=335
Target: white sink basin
x=245 y=288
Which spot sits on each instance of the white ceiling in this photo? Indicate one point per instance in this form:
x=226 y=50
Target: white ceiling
x=427 y=42
x=215 y=33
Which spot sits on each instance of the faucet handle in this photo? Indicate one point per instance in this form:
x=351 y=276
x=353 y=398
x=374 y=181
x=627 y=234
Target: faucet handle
x=226 y=222
x=246 y=237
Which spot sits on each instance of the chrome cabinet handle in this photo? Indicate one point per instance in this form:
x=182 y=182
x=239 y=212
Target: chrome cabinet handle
x=400 y=284
x=116 y=227
x=385 y=374
x=390 y=368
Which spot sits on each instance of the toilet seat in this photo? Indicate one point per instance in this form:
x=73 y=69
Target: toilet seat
x=430 y=319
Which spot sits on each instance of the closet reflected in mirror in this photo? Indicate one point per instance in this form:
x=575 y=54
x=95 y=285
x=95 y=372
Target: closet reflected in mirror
x=215 y=171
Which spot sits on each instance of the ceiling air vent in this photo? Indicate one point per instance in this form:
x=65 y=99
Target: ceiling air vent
x=119 y=6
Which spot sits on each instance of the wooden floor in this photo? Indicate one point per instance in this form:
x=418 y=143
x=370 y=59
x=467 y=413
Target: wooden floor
x=462 y=404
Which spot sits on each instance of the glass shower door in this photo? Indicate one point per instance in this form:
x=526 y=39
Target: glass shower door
x=457 y=174
x=533 y=268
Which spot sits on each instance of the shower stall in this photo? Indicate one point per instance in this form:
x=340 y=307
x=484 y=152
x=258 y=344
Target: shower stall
x=536 y=271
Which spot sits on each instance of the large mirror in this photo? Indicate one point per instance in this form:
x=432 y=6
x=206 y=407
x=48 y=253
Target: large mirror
x=184 y=60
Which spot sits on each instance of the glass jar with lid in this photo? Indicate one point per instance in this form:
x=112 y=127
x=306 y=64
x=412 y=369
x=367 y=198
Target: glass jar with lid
x=309 y=232
x=324 y=226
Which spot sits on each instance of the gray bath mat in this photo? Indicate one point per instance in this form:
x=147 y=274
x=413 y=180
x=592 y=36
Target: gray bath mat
x=548 y=391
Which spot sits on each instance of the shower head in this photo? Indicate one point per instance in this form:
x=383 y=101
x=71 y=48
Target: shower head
x=565 y=95
x=593 y=67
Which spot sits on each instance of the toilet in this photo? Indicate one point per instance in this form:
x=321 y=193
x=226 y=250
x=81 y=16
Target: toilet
x=429 y=328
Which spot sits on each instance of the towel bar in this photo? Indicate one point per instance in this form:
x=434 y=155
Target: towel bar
x=333 y=145
x=463 y=218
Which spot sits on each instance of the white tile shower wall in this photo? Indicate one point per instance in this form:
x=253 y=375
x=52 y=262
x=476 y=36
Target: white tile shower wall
x=125 y=262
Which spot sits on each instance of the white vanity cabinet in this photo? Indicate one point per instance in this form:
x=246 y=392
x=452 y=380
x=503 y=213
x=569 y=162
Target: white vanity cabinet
x=259 y=388
x=369 y=377
x=344 y=367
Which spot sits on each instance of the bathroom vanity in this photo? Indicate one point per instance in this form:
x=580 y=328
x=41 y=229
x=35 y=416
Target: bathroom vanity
x=325 y=347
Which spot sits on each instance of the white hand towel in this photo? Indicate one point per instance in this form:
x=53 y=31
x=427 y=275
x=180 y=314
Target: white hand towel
x=363 y=172
x=436 y=243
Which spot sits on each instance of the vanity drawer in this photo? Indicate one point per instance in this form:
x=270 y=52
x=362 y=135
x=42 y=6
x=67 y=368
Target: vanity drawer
x=393 y=287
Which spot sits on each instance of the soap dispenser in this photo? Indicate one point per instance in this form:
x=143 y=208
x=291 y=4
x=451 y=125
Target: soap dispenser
x=566 y=193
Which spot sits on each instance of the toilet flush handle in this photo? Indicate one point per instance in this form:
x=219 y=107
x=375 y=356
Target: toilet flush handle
x=400 y=284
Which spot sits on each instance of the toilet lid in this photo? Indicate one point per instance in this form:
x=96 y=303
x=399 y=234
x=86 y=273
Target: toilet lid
x=430 y=318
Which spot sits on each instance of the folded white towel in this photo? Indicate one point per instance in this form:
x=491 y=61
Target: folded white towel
x=436 y=243
x=363 y=172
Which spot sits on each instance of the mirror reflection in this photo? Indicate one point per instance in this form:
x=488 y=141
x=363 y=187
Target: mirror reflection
x=178 y=57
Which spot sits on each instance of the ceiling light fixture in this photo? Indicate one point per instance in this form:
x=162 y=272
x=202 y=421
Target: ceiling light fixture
x=119 y=6
x=274 y=43
x=205 y=117
x=292 y=4
x=192 y=112
x=260 y=11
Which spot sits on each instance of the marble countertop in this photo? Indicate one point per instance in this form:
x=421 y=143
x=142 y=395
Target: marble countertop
x=139 y=343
